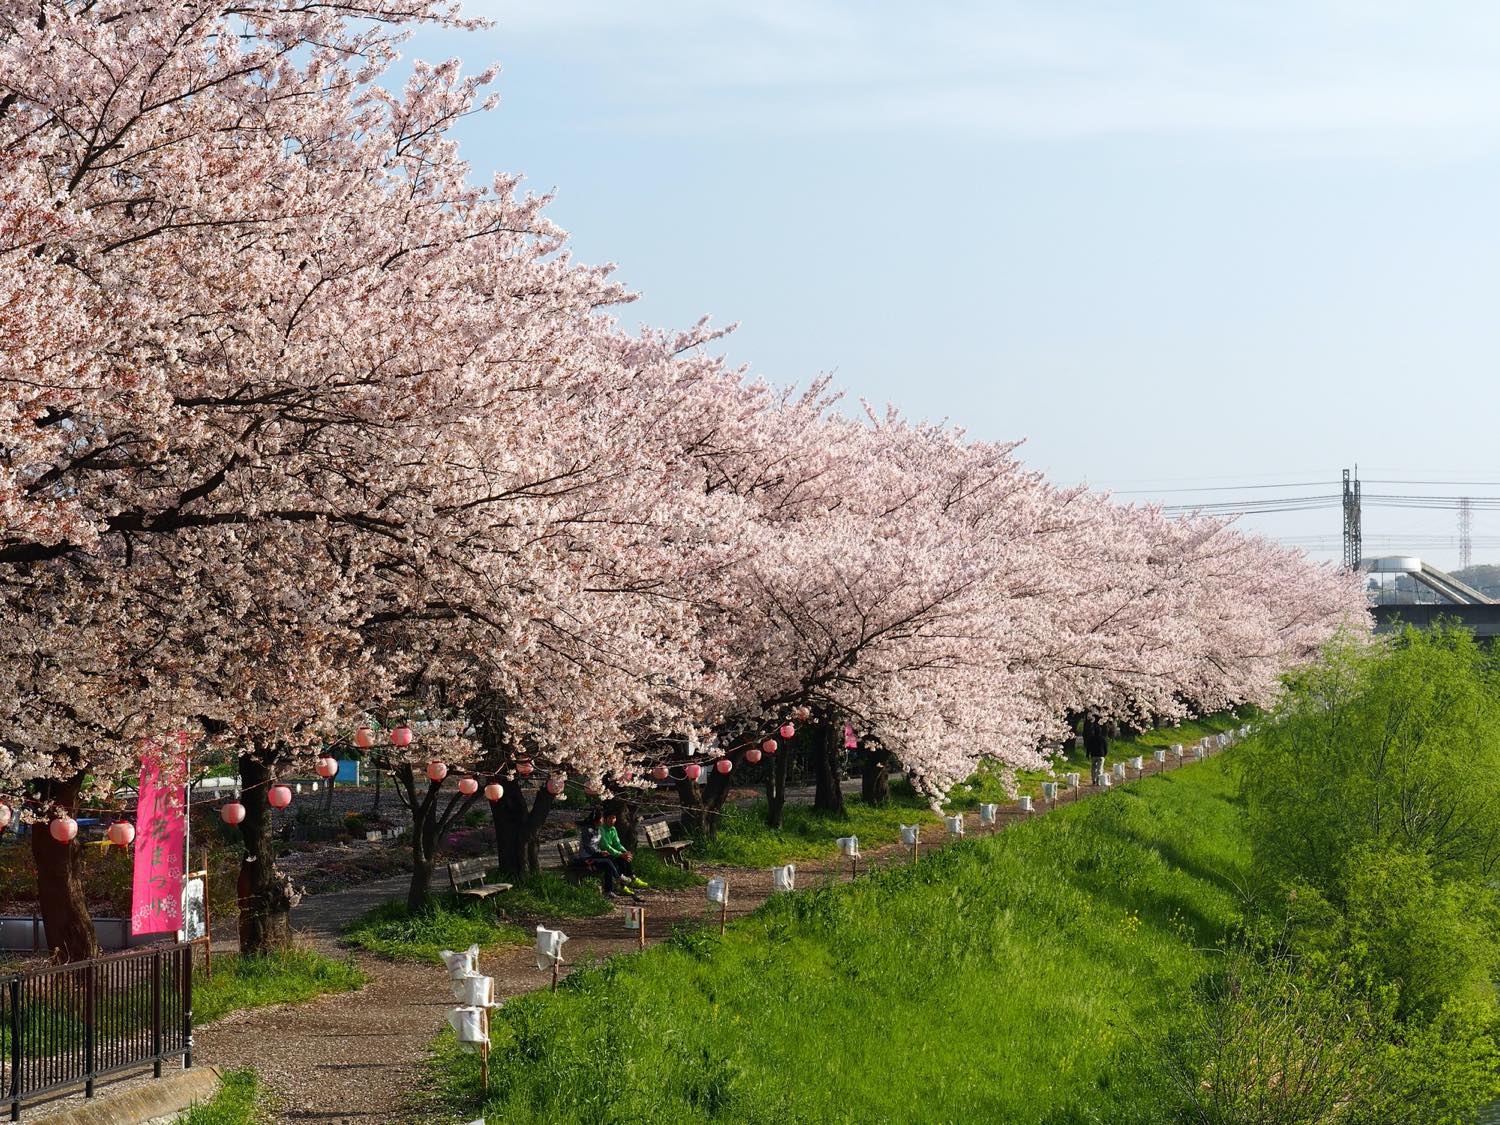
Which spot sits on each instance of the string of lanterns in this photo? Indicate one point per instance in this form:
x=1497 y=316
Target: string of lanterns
x=121 y=833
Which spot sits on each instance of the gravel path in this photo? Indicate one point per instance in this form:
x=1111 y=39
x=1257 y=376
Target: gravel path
x=356 y=1057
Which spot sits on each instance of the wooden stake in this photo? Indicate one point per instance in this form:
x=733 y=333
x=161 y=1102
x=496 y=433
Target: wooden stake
x=853 y=868
x=641 y=917
x=555 y=962
x=484 y=1054
x=724 y=911
x=914 y=845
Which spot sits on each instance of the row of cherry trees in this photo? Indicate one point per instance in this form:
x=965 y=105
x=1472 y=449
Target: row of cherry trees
x=300 y=428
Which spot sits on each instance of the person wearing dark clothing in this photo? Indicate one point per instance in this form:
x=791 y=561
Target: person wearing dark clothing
x=591 y=851
x=1096 y=743
x=610 y=845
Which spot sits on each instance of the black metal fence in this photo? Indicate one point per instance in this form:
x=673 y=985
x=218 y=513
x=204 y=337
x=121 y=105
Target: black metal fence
x=67 y=1025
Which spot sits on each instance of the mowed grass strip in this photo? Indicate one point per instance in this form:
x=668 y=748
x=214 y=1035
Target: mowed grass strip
x=1017 y=978
x=288 y=977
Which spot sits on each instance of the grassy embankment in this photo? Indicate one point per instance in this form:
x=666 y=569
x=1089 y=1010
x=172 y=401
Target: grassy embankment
x=743 y=840
x=1021 y=977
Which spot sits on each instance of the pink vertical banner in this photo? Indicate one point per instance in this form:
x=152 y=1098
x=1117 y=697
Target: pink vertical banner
x=160 y=828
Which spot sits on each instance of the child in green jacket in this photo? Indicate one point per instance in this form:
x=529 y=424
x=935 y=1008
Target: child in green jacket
x=610 y=845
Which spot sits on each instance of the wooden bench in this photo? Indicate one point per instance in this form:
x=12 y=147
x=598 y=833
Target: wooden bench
x=466 y=877
x=659 y=840
x=574 y=866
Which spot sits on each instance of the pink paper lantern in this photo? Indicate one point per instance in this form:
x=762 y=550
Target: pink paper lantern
x=279 y=796
x=5 y=815
x=802 y=714
x=768 y=746
x=63 y=829
x=723 y=765
x=401 y=736
x=494 y=791
x=691 y=771
x=436 y=771
x=232 y=813
x=555 y=785
x=524 y=768
x=121 y=833
x=660 y=773
x=364 y=738
x=752 y=755
x=468 y=786
x=787 y=730
x=327 y=767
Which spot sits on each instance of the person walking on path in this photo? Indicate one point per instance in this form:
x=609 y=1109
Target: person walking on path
x=1096 y=743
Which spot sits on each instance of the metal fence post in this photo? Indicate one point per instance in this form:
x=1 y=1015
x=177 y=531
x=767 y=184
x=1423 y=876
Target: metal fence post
x=88 y=1030
x=187 y=1006
x=156 y=1012
x=15 y=1049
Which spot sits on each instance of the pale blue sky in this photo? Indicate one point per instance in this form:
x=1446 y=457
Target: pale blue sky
x=1168 y=243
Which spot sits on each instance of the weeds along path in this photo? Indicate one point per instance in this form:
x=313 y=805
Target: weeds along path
x=356 y=1057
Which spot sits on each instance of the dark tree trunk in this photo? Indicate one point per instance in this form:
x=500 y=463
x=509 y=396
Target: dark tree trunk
x=59 y=880
x=265 y=900
x=703 y=805
x=694 y=811
x=827 y=744
x=776 y=785
x=517 y=827
x=375 y=767
x=423 y=859
x=875 y=777
x=430 y=819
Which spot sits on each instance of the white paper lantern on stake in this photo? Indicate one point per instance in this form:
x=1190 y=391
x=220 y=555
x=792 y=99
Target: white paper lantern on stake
x=549 y=947
x=1106 y=780
x=1244 y=732
x=1049 y=791
x=1120 y=770
x=473 y=990
x=909 y=834
x=849 y=845
x=469 y=1025
x=632 y=917
x=1160 y=756
x=1177 y=750
x=955 y=825
x=1198 y=753
x=784 y=878
x=1138 y=763
x=1074 y=780
x=1025 y=804
x=463 y=963
x=987 y=813
x=718 y=891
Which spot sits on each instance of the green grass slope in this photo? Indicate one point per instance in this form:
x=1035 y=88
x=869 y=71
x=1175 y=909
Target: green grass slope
x=1016 y=978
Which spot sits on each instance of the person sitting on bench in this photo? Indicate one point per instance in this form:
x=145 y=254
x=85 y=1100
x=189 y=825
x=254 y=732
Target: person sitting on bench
x=596 y=859
x=609 y=843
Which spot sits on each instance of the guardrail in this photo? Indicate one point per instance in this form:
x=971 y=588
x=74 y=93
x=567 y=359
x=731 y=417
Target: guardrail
x=68 y=1025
